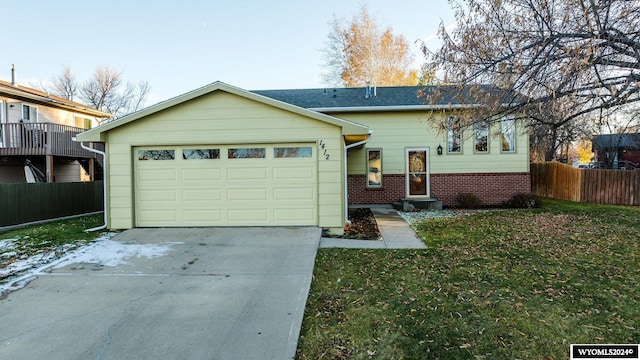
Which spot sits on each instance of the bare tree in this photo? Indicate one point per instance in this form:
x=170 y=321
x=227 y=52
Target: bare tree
x=558 y=64
x=105 y=90
x=359 y=52
x=65 y=85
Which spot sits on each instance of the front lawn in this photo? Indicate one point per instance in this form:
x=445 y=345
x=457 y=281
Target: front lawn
x=516 y=284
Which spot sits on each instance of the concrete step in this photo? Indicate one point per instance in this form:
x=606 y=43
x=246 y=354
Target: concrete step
x=418 y=204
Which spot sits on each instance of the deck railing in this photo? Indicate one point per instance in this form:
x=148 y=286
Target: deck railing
x=40 y=139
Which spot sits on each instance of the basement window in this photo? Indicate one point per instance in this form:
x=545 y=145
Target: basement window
x=374 y=168
x=156 y=155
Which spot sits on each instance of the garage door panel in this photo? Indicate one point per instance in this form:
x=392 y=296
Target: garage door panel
x=204 y=217
x=157 y=175
x=299 y=216
x=241 y=194
x=251 y=173
x=248 y=216
x=275 y=191
x=201 y=174
x=204 y=195
x=293 y=194
x=290 y=173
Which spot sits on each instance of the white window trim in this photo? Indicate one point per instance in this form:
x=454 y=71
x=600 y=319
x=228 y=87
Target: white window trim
x=515 y=137
x=381 y=170
x=475 y=137
x=3 y=114
x=451 y=133
x=32 y=110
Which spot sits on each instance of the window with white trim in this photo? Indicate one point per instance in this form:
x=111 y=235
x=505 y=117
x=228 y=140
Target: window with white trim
x=374 y=168
x=508 y=134
x=481 y=137
x=454 y=135
x=29 y=113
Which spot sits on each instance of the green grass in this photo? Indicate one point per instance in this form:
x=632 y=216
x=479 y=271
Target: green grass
x=57 y=236
x=517 y=284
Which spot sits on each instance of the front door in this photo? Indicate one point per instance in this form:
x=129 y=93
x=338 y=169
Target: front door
x=417 y=172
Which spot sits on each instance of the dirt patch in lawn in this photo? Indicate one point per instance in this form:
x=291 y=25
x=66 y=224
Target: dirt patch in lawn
x=363 y=225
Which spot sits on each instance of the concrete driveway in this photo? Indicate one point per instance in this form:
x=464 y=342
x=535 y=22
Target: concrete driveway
x=217 y=293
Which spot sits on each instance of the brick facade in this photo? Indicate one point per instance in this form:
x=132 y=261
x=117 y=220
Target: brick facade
x=491 y=188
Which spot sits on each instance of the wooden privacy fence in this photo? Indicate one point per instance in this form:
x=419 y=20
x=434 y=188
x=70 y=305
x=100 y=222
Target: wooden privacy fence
x=561 y=181
x=23 y=203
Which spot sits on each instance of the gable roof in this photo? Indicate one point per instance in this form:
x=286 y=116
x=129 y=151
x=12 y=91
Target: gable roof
x=389 y=98
x=348 y=127
x=28 y=94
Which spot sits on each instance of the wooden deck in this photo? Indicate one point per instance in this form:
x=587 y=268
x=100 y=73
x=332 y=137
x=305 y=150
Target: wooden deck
x=28 y=139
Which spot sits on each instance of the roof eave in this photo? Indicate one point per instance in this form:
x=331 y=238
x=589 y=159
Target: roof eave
x=347 y=109
x=43 y=100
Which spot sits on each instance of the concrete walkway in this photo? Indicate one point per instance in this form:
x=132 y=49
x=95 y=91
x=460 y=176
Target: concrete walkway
x=396 y=234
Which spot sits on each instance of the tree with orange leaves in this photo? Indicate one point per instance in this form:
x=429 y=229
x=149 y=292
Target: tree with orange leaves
x=360 y=53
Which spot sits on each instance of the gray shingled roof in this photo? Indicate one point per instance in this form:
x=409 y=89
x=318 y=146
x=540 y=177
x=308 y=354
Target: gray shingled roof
x=393 y=96
x=620 y=141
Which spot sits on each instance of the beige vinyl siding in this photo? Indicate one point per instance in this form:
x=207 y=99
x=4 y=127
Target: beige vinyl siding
x=225 y=119
x=45 y=114
x=395 y=131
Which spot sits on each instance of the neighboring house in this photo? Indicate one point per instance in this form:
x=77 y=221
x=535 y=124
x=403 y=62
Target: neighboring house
x=617 y=151
x=223 y=156
x=39 y=127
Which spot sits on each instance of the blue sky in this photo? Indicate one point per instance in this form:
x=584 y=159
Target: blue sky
x=178 y=46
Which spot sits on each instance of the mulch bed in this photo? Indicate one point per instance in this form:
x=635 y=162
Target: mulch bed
x=363 y=225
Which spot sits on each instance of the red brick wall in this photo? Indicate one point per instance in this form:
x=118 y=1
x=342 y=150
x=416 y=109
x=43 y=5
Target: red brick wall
x=491 y=188
x=392 y=190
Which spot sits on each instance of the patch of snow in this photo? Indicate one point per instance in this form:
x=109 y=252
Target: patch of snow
x=112 y=253
x=103 y=251
x=28 y=263
x=8 y=254
x=7 y=244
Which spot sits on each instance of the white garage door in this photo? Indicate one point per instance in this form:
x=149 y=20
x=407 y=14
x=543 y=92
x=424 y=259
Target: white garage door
x=251 y=185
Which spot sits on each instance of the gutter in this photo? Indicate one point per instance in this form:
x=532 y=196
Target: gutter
x=43 y=100
x=345 y=109
x=104 y=184
x=346 y=176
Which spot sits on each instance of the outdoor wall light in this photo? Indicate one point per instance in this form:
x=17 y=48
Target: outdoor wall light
x=439 y=149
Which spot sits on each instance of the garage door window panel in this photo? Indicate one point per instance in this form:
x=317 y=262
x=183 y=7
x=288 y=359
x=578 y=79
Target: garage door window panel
x=246 y=153
x=292 y=152
x=156 y=154
x=201 y=154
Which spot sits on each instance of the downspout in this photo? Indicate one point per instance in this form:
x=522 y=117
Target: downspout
x=104 y=184
x=346 y=176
